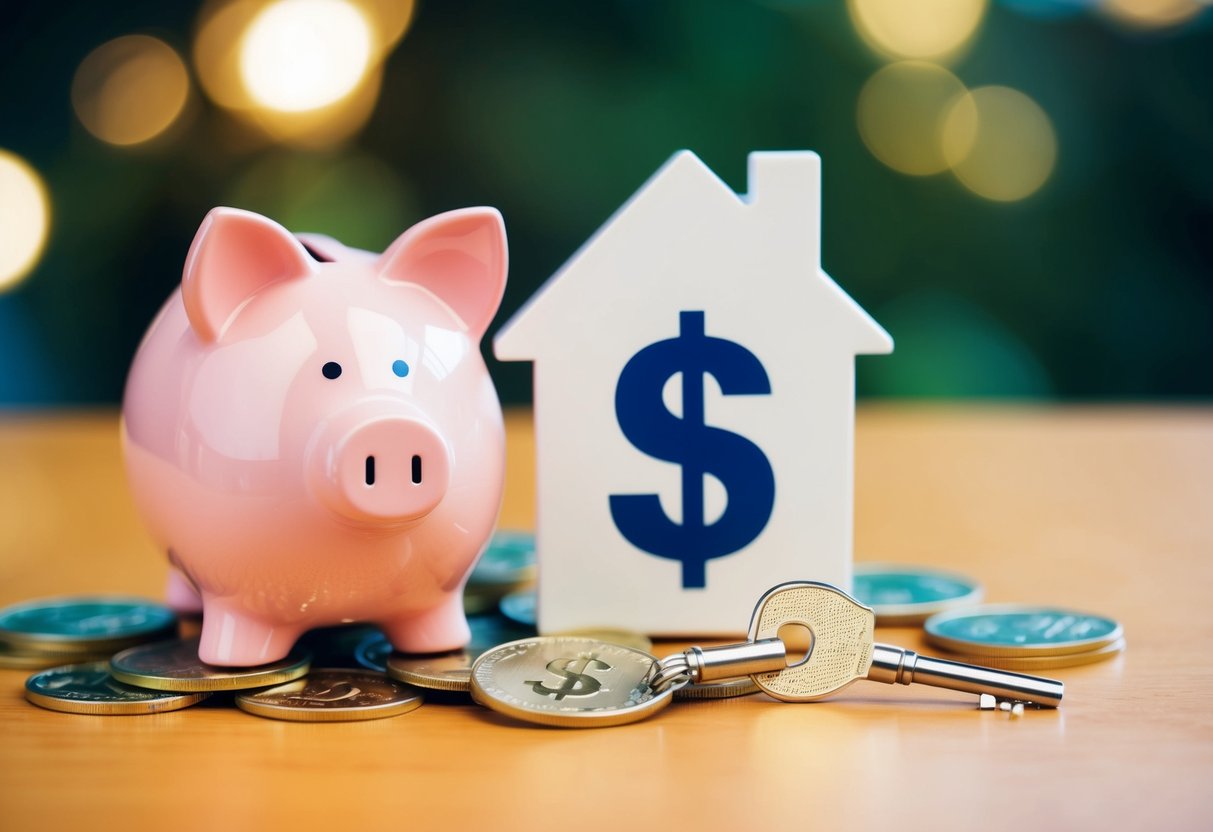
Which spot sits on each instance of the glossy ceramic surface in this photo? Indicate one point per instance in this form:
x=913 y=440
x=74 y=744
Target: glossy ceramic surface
x=317 y=441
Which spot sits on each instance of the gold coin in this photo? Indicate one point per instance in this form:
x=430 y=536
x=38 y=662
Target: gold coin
x=441 y=671
x=333 y=695
x=624 y=638
x=90 y=689
x=1034 y=663
x=31 y=660
x=174 y=665
x=718 y=690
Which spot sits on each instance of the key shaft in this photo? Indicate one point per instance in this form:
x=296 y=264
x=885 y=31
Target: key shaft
x=895 y=665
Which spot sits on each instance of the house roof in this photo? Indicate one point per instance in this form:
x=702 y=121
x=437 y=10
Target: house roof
x=785 y=193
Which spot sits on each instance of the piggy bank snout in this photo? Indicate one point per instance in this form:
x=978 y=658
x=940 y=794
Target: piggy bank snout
x=386 y=470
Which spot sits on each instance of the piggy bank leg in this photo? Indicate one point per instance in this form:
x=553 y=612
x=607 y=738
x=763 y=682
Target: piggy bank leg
x=181 y=595
x=434 y=630
x=233 y=638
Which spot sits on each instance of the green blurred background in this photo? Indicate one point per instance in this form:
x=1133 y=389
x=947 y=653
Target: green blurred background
x=1020 y=191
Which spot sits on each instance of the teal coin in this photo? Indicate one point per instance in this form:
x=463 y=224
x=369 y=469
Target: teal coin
x=92 y=624
x=508 y=561
x=1019 y=630
x=901 y=594
x=520 y=607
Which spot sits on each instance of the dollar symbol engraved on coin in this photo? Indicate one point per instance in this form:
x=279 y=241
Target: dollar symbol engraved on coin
x=332 y=693
x=700 y=449
x=577 y=682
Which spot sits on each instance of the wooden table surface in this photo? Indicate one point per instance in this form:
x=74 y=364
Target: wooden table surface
x=1107 y=509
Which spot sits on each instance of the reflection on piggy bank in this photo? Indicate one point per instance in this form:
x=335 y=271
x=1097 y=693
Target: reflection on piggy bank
x=311 y=433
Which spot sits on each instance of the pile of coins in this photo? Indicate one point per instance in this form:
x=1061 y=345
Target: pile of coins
x=121 y=656
x=111 y=656
x=1007 y=636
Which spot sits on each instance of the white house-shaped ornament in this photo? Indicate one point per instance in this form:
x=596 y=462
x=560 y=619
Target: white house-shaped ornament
x=694 y=404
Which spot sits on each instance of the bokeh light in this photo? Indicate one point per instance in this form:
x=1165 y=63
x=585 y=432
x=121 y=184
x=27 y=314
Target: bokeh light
x=324 y=127
x=900 y=115
x=24 y=219
x=300 y=55
x=1153 y=14
x=234 y=52
x=999 y=142
x=130 y=90
x=916 y=28
x=389 y=19
x=217 y=50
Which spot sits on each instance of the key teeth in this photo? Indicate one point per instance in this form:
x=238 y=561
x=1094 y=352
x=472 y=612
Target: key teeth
x=1014 y=707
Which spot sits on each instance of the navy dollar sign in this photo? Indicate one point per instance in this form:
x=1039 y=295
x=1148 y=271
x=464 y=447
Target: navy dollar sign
x=700 y=449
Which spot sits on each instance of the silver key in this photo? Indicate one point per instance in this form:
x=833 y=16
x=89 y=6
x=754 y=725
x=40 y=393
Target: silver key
x=843 y=650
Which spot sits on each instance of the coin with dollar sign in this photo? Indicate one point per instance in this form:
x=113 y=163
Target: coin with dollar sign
x=568 y=682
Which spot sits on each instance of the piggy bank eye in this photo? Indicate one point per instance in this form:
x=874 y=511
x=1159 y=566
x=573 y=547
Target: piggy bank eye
x=400 y=368
x=331 y=370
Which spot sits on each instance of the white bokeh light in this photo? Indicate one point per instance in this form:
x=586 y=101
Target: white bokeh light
x=300 y=55
x=24 y=219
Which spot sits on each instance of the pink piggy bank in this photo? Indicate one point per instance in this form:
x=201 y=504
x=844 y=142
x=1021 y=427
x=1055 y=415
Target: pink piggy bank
x=311 y=433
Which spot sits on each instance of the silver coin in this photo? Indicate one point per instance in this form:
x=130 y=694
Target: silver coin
x=333 y=695
x=568 y=682
x=174 y=665
x=90 y=689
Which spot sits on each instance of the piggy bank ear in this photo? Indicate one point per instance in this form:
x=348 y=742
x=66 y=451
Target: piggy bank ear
x=460 y=256
x=235 y=254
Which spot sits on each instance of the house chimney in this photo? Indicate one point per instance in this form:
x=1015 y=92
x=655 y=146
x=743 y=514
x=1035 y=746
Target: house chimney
x=785 y=190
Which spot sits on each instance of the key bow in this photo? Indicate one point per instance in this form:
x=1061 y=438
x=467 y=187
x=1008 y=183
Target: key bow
x=842 y=633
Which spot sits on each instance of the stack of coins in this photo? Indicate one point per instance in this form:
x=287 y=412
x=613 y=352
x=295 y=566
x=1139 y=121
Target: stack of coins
x=1024 y=638
x=57 y=631
x=117 y=656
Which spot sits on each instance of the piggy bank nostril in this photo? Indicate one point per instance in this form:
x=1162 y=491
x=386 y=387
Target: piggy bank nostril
x=416 y=469
x=370 y=470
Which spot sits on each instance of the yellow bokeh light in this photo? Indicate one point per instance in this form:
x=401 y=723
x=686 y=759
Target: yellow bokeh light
x=999 y=142
x=900 y=115
x=300 y=55
x=1153 y=14
x=325 y=127
x=389 y=19
x=217 y=50
x=130 y=90
x=916 y=28
x=221 y=42
x=25 y=217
